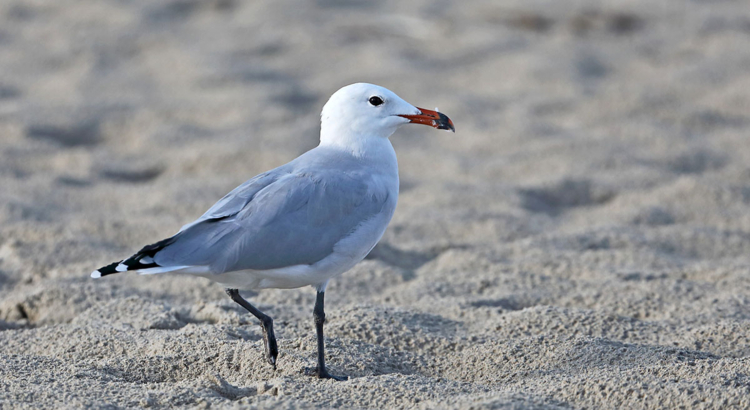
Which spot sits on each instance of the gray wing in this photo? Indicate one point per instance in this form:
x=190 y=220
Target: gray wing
x=276 y=221
x=233 y=202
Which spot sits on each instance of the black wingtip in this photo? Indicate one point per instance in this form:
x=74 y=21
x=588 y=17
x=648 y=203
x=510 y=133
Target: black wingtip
x=107 y=270
x=134 y=262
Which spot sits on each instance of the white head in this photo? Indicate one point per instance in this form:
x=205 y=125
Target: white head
x=362 y=111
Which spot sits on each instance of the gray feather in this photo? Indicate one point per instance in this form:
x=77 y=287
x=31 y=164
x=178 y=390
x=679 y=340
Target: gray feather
x=292 y=215
x=234 y=201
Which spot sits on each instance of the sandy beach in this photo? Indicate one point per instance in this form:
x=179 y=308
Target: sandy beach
x=581 y=241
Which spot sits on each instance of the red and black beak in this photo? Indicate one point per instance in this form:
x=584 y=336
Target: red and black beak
x=432 y=118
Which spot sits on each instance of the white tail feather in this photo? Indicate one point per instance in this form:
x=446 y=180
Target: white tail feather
x=160 y=269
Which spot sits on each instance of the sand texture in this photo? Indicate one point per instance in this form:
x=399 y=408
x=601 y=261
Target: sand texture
x=581 y=241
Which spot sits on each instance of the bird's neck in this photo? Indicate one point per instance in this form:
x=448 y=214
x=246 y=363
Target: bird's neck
x=378 y=149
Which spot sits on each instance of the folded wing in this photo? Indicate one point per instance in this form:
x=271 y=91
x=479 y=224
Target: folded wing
x=274 y=221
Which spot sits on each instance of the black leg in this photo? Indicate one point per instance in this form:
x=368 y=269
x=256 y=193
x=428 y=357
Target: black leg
x=266 y=323
x=320 y=318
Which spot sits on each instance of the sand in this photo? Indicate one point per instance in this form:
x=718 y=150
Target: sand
x=582 y=241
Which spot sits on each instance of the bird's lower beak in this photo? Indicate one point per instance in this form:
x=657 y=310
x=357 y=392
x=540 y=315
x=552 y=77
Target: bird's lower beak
x=432 y=118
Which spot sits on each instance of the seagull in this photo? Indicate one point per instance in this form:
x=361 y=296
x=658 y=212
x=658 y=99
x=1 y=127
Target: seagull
x=302 y=223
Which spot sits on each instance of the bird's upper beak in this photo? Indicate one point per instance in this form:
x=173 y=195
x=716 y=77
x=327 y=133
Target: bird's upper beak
x=432 y=118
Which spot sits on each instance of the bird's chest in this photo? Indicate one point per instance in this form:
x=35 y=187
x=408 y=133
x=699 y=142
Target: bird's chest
x=367 y=233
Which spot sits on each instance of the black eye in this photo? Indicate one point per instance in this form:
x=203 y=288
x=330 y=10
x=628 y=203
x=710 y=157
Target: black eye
x=375 y=100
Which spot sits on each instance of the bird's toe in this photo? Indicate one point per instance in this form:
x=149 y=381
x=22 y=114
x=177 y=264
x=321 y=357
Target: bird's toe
x=323 y=374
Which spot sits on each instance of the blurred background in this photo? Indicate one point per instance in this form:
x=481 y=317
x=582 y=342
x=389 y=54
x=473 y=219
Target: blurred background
x=589 y=214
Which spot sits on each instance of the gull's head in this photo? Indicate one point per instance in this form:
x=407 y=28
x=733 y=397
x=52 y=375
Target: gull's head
x=364 y=111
